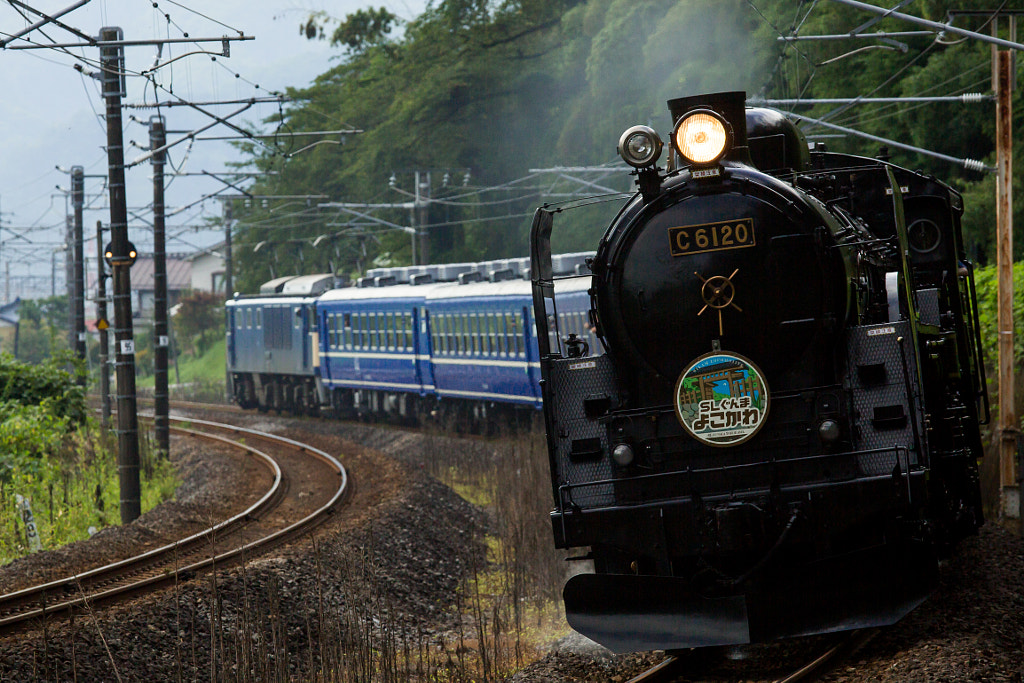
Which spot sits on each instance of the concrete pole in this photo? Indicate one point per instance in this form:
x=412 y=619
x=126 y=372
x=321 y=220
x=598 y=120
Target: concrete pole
x=422 y=218
x=112 y=65
x=102 y=324
x=229 y=273
x=161 y=398
x=78 y=269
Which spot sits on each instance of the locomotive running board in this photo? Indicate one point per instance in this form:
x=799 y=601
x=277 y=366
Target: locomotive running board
x=628 y=613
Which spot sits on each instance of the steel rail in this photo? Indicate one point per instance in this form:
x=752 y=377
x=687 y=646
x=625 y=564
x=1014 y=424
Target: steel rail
x=85 y=584
x=665 y=670
x=851 y=642
x=671 y=668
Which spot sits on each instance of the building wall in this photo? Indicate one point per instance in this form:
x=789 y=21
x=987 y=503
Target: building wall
x=7 y=332
x=208 y=273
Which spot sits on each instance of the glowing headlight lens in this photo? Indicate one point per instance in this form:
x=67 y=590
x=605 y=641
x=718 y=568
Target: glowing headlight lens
x=640 y=146
x=701 y=137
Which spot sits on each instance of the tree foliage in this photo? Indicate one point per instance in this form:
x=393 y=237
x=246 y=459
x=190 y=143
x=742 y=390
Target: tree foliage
x=46 y=384
x=199 y=321
x=363 y=29
x=477 y=92
x=987 y=283
x=932 y=65
x=42 y=329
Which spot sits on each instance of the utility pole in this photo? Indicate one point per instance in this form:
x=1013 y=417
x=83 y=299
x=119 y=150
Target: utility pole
x=102 y=324
x=77 y=288
x=1003 y=83
x=161 y=410
x=69 y=275
x=120 y=258
x=229 y=278
x=422 y=204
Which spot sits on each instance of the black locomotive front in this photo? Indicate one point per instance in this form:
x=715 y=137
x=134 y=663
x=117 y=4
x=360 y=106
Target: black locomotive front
x=750 y=457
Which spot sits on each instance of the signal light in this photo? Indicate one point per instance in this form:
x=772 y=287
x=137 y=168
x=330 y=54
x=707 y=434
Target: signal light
x=123 y=260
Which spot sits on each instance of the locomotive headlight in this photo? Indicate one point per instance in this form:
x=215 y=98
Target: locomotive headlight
x=623 y=454
x=639 y=146
x=702 y=137
x=828 y=430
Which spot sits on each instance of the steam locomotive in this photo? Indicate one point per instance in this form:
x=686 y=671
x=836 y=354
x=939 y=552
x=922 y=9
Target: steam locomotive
x=781 y=437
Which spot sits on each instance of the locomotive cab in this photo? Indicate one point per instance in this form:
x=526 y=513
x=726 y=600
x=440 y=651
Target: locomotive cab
x=760 y=431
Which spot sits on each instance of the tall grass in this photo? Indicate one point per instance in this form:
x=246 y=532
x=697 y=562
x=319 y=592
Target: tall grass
x=200 y=378
x=72 y=489
x=515 y=604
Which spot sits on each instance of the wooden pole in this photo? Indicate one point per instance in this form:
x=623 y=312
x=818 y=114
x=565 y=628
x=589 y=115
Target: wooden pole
x=1007 y=431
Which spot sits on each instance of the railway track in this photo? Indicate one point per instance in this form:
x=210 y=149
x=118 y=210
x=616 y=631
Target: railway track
x=676 y=665
x=267 y=523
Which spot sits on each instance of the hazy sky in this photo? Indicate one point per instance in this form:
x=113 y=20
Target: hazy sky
x=49 y=113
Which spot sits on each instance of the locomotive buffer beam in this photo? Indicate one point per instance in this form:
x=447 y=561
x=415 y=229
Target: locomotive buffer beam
x=628 y=613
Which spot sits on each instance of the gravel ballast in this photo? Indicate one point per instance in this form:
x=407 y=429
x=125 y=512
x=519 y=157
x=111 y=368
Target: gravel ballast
x=399 y=550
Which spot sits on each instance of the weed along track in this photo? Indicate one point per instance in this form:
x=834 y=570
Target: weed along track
x=307 y=484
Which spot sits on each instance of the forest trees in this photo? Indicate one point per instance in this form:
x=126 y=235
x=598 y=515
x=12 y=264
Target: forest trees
x=478 y=93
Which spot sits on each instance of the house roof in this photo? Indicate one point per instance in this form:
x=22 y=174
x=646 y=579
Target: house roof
x=9 y=312
x=179 y=274
x=215 y=250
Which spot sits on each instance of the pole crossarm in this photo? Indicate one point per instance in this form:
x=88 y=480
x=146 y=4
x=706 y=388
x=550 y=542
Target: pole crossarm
x=880 y=35
x=245 y=174
x=48 y=19
x=934 y=25
x=231 y=185
x=353 y=205
x=572 y=174
x=970 y=164
x=202 y=199
x=966 y=98
x=148 y=155
x=346 y=131
x=353 y=209
x=874 y=20
x=172 y=103
x=125 y=43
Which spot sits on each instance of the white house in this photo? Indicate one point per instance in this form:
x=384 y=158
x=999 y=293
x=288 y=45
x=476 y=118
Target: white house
x=208 y=268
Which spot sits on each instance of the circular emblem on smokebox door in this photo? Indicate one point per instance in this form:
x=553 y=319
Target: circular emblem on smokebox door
x=721 y=399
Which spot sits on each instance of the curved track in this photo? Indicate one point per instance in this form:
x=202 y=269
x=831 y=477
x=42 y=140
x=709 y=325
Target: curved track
x=225 y=542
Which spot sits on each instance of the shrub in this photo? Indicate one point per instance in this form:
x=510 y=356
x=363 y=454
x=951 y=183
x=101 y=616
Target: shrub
x=47 y=385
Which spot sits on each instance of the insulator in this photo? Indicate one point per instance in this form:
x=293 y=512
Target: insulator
x=972 y=165
x=973 y=97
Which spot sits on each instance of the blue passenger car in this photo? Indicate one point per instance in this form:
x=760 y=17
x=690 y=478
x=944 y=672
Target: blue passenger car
x=374 y=356
x=484 y=344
